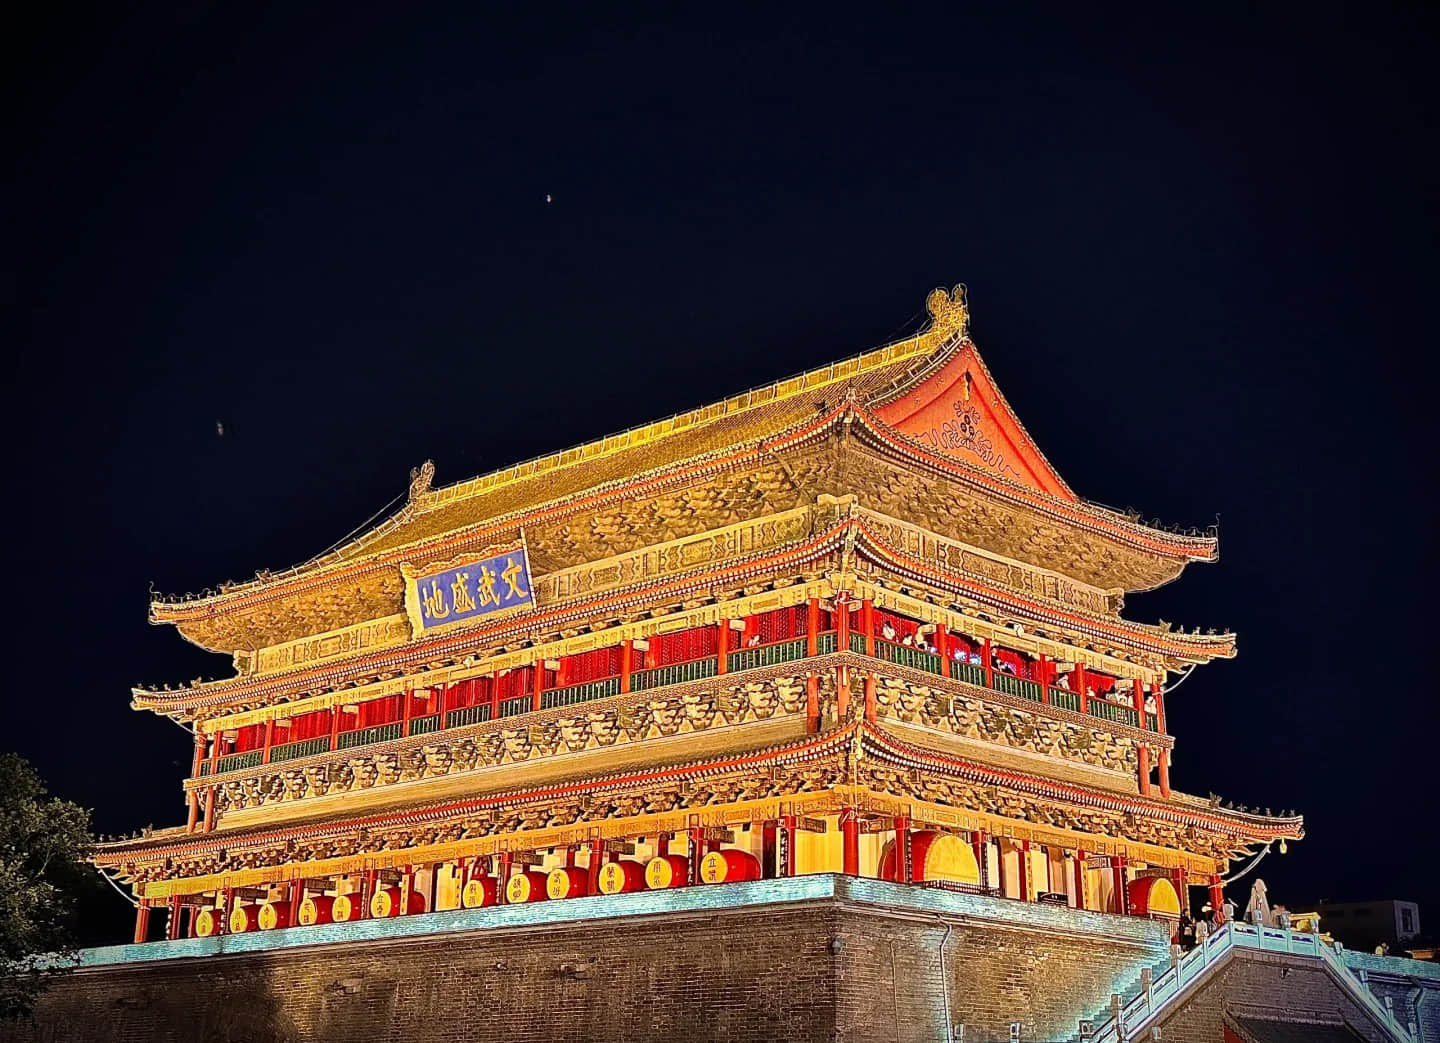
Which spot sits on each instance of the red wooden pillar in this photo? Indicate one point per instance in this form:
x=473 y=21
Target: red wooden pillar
x=295 y=894
x=903 y=869
x=538 y=673
x=1139 y=698
x=787 y=831
x=850 y=841
x=870 y=708
x=502 y=876
x=1042 y=674
x=942 y=645
x=626 y=651
x=172 y=921
x=335 y=712
x=441 y=691
x=597 y=859
x=662 y=844
x=1182 y=887
x=722 y=646
x=1121 y=901
x=1159 y=692
x=1079 y=879
x=842 y=622
x=1024 y=865
x=142 y=922
x=987 y=663
x=812 y=704
x=979 y=842
x=769 y=850
x=867 y=624
x=367 y=892
x=495 y=697
x=1217 y=898
x=1000 y=865
x=405 y=713
x=193 y=799
x=1082 y=687
x=812 y=627
x=697 y=852
x=1142 y=768
x=269 y=740
x=1164 y=759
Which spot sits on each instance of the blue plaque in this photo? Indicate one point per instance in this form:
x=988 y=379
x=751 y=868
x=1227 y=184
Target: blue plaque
x=469 y=591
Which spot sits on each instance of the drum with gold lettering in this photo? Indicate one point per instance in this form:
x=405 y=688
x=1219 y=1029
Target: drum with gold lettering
x=274 y=915
x=316 y=909
x=622 y=877
x=392 y=901
x=479 y=892
x=729 y=866
x=664 y=871
x=345 y=908
x=528 y=885
x=207 y=922
x=567 y=882
x=244 y=918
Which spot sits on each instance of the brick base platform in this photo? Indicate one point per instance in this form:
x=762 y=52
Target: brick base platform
x=813 y=958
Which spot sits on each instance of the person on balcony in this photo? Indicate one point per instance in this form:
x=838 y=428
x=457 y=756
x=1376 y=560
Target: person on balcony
x=887 y=631
x=754 y=640
x=1150 y=706
x=908 y=641
x=1063 y=681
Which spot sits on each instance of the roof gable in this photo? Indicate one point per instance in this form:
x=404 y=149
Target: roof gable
x=954 y=408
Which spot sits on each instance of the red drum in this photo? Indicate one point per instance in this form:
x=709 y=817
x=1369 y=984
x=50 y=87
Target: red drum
x=567 y=882
x=729 y=866
x=622 y=877
x=664 y=871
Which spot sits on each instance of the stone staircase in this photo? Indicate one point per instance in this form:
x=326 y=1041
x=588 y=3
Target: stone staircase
x=1160 y=990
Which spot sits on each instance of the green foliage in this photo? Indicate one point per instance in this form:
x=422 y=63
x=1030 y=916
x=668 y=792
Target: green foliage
x=44 y=844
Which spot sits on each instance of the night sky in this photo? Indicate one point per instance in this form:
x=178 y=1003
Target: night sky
x=1198 y=249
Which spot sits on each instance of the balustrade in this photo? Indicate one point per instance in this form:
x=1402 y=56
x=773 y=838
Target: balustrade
x=366 y=736
x=676 y=673
x=302 y=748
x=580 y=693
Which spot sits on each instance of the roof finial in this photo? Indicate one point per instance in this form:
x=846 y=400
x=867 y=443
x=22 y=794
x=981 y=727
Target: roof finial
x=949 y=312
x=420 y=479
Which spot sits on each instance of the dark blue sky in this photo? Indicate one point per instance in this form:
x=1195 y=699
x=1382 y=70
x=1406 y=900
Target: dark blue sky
x=1200 y=250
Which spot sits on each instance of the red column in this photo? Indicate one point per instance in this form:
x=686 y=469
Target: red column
x=1139 y=693
x=1024 y=864
x=495 y=697
x=942 y=645
x=722 y=646
x=842 y=693
x=769 y=850
x=812 y=704
x=367 y=892
x=502 y=875
x=597 y=859
x=662 y=843
x=787 y=828
x=1081 y=686
x=625 y=653
x=295 y=894
x=697 y=852
x=1042 y=674
x=812 y=627
x=1217 y=898
x=1000 y=865
x=1164 y=759
x=1079 y=880
x=987 y=663
x=405 y=712
x=842 y=622
x=867 y=625
x=902 y=850
x=538 y=673
x=1117 y=878
x=440 y=693
x=850 y=844
x=193 y=799
x=1142 y=768
x=870 y=709
x=1182 y=887
x=142 y=922
x=979 y=842
x=172 y=922
x=1159 y=692
x=335 y=712
x=269 y=739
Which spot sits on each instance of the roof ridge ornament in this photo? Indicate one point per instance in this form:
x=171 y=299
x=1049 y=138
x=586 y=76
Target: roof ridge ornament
x=949 y=312
x=420 y=479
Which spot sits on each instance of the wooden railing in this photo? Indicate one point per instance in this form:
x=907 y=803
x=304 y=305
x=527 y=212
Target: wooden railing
x=737 y=661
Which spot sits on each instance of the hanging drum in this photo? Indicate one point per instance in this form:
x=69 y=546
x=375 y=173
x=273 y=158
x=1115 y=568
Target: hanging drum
x=479 y=892
x=244 y=918
x=729 y=867
x=274 y=915
x=664 y=871
x=622 y=877
x=567 y=882
x=526 y=886
x=317 y=909
x=933 y=856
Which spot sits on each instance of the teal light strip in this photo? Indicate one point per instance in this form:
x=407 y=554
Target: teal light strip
x=884 y=896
